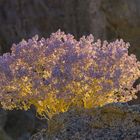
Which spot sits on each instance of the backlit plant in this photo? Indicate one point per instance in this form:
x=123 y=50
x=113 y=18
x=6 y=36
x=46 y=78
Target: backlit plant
x=59 y=72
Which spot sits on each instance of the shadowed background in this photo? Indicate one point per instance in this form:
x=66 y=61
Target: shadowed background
x=105 y=19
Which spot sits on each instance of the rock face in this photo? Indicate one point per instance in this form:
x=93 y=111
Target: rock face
x=122 y=21
x=110 y=122
x=23 y=19
x=104 y=19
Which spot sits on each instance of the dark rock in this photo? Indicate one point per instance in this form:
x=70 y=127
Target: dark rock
x=3 y=118
x=4 y=136
x=122 y=21
x=21 y=125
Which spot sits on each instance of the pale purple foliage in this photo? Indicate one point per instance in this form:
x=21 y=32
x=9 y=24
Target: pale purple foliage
x=58 y=55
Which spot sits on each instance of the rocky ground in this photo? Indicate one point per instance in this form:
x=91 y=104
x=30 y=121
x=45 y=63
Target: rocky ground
x=117 y=121
x=110 y=122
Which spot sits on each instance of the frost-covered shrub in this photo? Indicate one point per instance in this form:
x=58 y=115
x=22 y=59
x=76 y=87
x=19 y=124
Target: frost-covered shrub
x=60 y=72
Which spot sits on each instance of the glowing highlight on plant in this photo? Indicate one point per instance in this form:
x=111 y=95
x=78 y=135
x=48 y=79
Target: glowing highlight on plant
x=59 y=72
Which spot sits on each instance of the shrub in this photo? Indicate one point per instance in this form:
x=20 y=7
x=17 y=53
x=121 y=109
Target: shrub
x=59 y=72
